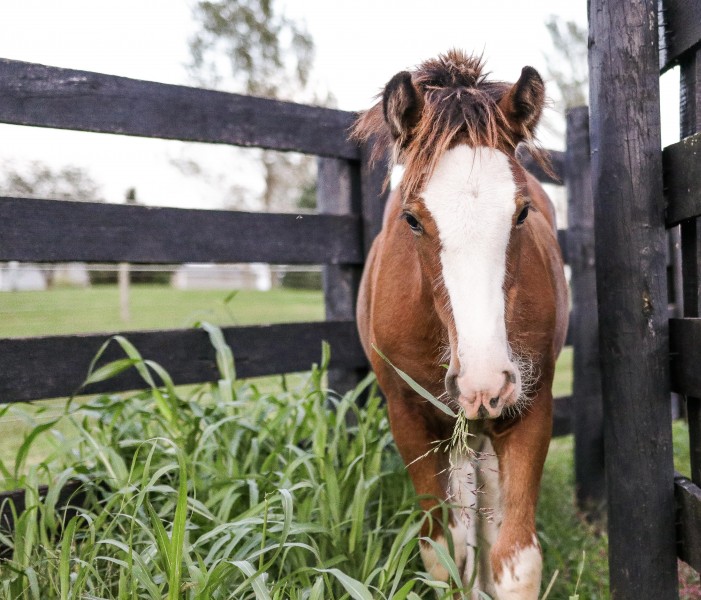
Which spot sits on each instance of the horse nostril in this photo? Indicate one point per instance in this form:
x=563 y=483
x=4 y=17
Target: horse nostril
x=482 y=412
x=493 y=402
x=510 y=376
x=451 y=386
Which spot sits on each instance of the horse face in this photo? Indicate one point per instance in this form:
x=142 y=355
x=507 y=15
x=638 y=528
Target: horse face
x=465 y=199
x=469 y=210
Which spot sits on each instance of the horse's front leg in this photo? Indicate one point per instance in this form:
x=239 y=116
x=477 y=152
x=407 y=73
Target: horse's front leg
x=515 y=556
x=416 y=431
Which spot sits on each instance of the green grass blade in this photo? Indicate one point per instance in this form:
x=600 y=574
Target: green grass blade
x=177 y=540
x=65 y=560
x=357 y=590
x=417 y=388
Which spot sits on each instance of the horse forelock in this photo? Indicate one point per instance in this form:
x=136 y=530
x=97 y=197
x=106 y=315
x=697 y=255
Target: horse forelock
x=460 y=106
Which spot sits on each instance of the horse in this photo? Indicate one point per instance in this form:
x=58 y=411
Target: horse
x=464 y=291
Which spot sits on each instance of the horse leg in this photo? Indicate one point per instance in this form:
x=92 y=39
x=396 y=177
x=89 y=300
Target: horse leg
x=463 y=497
x=515 y=556
x=489 y=515
x=416 y=434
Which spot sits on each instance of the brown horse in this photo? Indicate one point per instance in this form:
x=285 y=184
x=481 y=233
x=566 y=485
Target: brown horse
x=467 y=271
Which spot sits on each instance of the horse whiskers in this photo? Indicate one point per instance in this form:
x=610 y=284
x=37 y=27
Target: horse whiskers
x=527 y=364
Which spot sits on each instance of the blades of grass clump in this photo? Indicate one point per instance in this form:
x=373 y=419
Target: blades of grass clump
x=64 y=568
x=417 y=388
x=51 y=499
x=446 y=560
x=177 y=540
x=29 y=439
x=356 y=589
x=225 y=358
x=256 y=580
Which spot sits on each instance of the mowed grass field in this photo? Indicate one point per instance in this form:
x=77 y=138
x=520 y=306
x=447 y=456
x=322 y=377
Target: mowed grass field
x=71 y=310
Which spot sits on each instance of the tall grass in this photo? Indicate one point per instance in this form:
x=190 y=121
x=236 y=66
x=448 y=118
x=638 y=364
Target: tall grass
x=226 y=491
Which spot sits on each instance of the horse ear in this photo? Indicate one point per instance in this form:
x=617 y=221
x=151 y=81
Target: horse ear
x=401 y=105
x=523 y=103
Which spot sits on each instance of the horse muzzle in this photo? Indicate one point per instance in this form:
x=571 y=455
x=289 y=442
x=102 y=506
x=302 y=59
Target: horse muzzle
x=482 y=399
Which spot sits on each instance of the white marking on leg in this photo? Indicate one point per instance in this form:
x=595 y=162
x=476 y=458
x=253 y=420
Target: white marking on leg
x=520 y=576
x=490 y=512
x=434 y=567
x=462 y=494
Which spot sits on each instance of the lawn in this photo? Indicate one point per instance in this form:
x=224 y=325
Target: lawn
x=100 y=440
x=70 y=310
x=258 y=492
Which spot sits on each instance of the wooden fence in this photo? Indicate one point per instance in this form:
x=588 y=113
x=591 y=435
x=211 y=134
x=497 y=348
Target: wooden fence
x=640 y=192
x=350 y=200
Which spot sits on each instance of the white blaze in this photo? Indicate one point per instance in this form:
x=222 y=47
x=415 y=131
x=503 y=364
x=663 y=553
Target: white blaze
x=471 y=197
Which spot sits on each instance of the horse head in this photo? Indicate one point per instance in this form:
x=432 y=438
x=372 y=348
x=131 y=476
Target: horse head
x=465 y=200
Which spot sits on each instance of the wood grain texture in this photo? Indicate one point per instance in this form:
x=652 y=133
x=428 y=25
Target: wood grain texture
x=688 y=498
x=679 y=30
x=690 y=124
x=338 y=193
x=682 y=179
x=632 y=297
x=373 y=195
x=587 y=402
x=42 y=96
x=562 y=416
x=49 y=367
x=55 y=231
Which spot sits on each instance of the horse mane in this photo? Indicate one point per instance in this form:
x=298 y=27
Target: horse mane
x=460 y=106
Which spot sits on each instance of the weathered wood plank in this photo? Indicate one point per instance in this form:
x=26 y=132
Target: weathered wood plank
x=562 y=235
x=587 y=403
x=689 y=124
x=338 y=192
x=562 y=416
x=42 y=96
x=682 y=179
x=33 y=368
x=53 y=231
x=679 y=30
x=373 y=195
x=688 y=497
x=685 y=357
x=632 y=296
x=690 y=93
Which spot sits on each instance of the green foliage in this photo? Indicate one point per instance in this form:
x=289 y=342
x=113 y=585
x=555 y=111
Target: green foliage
x=38 y=180
x=567 y=65
x=269 y=54
x=229 y=491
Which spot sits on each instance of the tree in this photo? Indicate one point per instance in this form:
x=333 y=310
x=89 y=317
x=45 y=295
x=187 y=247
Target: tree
x=250 y=47
x=567 y=67
x=39 y=180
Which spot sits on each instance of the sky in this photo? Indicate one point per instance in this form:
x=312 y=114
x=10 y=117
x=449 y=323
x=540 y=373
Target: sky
x=359 y=46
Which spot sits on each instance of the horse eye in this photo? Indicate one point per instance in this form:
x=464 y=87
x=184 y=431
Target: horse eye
x=522 y=216
x=413 y=223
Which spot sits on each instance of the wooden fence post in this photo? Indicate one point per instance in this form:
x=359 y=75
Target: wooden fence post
x=690 y=123
x=347 y=187
x=338 y=193
x=632 y=292
x=584 y=321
